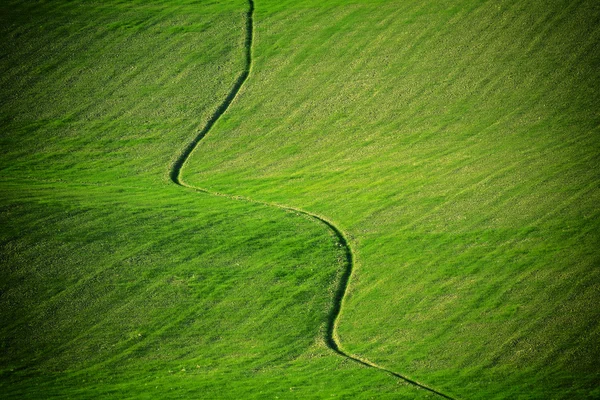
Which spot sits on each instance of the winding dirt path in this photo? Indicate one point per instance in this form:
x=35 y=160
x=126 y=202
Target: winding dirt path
x=331 y=337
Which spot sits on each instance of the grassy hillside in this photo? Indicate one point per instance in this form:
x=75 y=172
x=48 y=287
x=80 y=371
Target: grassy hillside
x=116 y=283
x=456 y=143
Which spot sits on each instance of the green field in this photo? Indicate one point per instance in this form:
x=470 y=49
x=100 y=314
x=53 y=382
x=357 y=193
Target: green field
x=455 y=145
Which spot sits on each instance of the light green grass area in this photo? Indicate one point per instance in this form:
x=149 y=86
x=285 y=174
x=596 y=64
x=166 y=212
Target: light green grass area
x=456 y=143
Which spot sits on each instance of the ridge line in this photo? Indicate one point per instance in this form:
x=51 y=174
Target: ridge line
x=175 y=175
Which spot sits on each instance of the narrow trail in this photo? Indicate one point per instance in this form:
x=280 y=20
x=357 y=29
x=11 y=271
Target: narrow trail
x=331 y=337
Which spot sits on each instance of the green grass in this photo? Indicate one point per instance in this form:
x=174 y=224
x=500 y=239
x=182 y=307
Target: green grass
x=116 y=283
x=456 y=143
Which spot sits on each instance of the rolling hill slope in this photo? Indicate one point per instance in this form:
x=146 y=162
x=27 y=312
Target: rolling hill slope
x=116 y=283
x=455 y=143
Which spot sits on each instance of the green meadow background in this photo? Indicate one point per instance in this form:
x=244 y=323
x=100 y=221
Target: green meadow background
x=456 y=143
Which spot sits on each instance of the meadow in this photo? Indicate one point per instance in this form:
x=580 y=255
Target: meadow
x=455 y=144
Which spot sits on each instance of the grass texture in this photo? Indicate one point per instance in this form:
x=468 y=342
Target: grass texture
x=455 y=143
x=116 y=283
x=458 y=146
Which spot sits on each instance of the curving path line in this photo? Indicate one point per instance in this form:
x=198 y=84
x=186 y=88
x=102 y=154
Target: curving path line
x=331 y=337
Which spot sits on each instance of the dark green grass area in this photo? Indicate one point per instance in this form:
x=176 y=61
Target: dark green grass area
x=139 y=294
x=116 y=283
x=102 y=91
x=458 y=145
